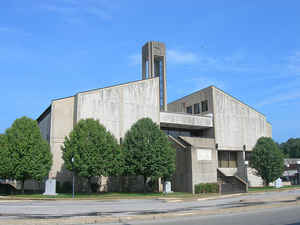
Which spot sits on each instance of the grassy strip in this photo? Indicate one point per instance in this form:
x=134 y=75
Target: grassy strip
x=117 y=195
x=113 y=195
x=270 y=188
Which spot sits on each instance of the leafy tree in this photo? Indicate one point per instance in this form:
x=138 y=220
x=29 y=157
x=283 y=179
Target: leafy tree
x=267 y=159
x=29 y=152
x=147 y=151
x=5 y=166
x=291 y=148
x=96 y=151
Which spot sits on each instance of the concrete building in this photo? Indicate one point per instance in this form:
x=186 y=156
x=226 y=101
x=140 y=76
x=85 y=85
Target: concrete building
x=213 y=132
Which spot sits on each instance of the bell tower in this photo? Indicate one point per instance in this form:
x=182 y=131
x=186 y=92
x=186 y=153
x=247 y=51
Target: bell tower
x=154 y=65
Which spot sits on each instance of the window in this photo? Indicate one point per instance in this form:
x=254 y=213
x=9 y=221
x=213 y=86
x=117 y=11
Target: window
x=196 y=108
x=204 y=106
x=227 y=159
x=189 y=109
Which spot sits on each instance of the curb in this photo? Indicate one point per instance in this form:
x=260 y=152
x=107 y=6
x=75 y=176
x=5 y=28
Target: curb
x=168 y=199
x=150 y=217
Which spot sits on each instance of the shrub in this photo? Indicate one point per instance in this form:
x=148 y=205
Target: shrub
x=207 y=188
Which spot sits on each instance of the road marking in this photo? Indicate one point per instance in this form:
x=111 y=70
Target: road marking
x=184 y=214
x=175 y=201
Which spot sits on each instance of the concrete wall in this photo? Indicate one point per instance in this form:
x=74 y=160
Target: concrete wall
x=254 y=181
x=182 y=179
x=180 y=105
x=183 y=172
x=62 y=121
x=236 y=124
x=269 y=130
x=45 y=125
x=204 y=170
x=189 y=100
x=118 y=107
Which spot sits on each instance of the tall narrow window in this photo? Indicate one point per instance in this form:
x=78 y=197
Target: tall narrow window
x=248 y=156
x=189 y=110
x=196 y=108
x=204 y=106
x=147 y=69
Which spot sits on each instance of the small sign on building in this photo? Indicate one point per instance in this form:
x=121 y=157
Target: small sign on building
x=204 y=154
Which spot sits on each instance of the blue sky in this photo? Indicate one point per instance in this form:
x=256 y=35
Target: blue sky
x=56 y=48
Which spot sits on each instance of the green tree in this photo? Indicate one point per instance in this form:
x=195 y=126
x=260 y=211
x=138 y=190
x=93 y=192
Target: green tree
x=267 y=159
x=30 y=155
x=291 y=148
x=96 y=152
x=147 y=151
x=5 y=166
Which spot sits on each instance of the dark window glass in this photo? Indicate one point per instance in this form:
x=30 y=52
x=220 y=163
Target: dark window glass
x=189 y=109
x=227 y=159
x=232 y=160
x=204 y=106
x=196 y=108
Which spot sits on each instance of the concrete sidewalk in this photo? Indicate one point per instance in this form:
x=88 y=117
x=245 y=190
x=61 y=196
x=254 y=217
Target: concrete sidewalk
x=91 y=211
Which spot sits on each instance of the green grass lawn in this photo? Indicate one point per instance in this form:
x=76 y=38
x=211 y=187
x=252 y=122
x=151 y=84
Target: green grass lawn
x=113 y=195
x=253 y=189
x=117 y=195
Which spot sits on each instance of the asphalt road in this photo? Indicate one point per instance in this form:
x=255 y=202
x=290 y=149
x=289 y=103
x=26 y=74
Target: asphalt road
x=79 y=210
x=45 y=209
x=275 y=216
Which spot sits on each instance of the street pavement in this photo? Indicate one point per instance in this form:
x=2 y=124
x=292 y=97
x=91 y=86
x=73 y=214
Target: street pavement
x=274 y=216
x=84 y=211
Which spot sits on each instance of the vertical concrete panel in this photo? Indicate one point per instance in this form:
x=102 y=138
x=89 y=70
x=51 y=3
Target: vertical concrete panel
x=236 y=124
x=62 y=121
x=44 y=126
x=269 y=130
x=118 y=107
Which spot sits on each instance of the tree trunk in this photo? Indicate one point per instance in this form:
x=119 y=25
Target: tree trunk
x=266 y=183
x=22 y=186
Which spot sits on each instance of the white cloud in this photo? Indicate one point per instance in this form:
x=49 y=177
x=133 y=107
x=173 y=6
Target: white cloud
x=203 y=82
x=77 y=8
x=235 y=62
x=280 y=98
x=181 y=57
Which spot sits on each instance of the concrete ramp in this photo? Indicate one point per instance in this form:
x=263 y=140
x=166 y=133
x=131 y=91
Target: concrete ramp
x=231 y=184
x=181 y=120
